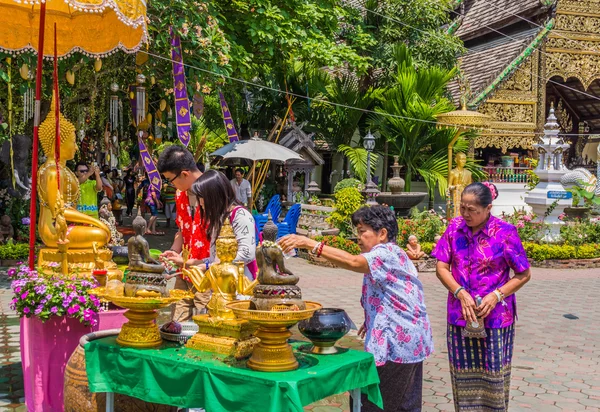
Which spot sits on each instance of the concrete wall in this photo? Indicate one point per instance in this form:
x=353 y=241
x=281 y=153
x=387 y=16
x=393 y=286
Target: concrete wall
x=510 y=198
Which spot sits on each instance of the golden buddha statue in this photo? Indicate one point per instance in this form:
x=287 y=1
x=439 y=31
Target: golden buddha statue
x=219 y=331
x=86 y=236
x=458 y=179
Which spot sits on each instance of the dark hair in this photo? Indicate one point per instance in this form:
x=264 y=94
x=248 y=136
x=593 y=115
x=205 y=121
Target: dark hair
x=200 y=166
x=214 y=187
x=239 y=170
x=377 y=217
x=81 y=164
x=176 y=158
x=482 y=193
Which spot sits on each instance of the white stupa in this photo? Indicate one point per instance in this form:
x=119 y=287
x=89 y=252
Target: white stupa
x=550 y=169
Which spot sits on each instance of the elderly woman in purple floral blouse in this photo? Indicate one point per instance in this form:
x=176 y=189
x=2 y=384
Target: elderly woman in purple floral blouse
x=475 y=256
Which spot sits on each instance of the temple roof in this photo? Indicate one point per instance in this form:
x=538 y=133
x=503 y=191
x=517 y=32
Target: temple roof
x=296 y=139
x=485 y=62
x=496 y=14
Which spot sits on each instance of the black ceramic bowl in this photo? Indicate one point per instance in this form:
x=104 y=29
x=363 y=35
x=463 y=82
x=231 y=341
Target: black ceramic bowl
x=325 y=328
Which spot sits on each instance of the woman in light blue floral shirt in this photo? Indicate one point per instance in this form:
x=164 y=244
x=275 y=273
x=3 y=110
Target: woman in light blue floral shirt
x=397 y=330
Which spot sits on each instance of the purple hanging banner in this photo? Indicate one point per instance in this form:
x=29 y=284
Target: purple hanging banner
x=150 y=167
x=229 y=125
x=182 y=104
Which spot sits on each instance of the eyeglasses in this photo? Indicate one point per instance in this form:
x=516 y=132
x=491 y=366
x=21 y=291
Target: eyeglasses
x=176 y=176
x=82 y=171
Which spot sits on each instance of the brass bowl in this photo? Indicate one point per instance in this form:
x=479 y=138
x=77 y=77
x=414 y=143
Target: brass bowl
x=274 y=318
x=140 y=331
x=137 y=302
x=272 y=353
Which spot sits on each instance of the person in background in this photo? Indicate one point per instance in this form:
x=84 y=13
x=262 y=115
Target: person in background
x=475 y=256
x=218 y=202
x=242 y=188
x=129 y=181
x=88 y=189
x=168 y=197
x=153 y=202
x=397 y=328
x=178 y=166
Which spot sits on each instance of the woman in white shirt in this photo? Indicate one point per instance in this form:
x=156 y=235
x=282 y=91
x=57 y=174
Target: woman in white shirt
x=217 y=202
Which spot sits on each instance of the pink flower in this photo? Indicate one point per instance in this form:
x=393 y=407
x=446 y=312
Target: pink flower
x=74 y=309
x=26 y=310
x=527 y=218
x=24 y=295
x=520 y=224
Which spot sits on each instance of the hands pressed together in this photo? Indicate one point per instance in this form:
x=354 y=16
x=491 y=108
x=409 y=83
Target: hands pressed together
x=471 y=311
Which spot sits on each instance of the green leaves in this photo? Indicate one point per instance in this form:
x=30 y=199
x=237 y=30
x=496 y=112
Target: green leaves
x=357 y=156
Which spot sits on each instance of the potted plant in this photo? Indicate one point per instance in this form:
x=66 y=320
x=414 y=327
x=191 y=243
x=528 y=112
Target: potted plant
x=583 y=201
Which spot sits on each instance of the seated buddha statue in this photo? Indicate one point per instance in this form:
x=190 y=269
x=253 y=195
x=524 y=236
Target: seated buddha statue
x=225 y=279
x=86 y=235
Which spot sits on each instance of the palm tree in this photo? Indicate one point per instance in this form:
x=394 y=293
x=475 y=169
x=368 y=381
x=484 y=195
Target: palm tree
x=407 y=120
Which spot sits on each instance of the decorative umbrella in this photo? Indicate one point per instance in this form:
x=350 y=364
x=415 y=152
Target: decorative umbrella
x=254 y=150
x=96 y=28
x=463 y=120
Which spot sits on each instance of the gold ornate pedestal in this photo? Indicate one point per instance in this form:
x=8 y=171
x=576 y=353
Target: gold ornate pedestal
x=140 y=331
x=81 y=261
x=232 y=337
x=273 y=353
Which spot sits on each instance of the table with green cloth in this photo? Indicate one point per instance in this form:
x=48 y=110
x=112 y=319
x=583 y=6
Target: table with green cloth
x=188 y=378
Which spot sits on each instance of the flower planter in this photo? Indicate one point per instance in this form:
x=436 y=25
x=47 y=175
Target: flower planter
x=45 y=350
x=577 y=212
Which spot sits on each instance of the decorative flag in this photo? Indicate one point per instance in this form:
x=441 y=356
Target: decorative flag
x=182 y=104
x=150 y=167
x=229 y=126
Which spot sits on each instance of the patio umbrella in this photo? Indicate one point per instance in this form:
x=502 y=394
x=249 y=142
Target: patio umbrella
x=96 y=28
x=254 y=150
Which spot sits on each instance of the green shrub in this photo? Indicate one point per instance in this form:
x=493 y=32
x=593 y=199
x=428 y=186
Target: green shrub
x=424 y=225
x=14 y=251
x=427 y=247
x=347 y=201
x=340 y=243
x=542 y=252
x=345 y=183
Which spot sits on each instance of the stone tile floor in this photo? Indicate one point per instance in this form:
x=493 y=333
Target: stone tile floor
x=556 y=364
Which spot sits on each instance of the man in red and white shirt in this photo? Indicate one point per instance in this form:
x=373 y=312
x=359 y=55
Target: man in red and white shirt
x=177 y=165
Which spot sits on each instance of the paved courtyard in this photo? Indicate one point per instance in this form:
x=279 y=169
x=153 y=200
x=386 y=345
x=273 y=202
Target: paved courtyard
x=557 y=354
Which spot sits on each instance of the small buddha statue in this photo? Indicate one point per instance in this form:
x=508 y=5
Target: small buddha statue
x=269 y=257
x=226 y=279
x=107 y=217
x=7 y=232
x=413 y=248
x=85 y=232
x=458 y=179
x=145 y=273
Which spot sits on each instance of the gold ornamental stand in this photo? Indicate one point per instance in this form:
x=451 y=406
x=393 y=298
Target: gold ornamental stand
x=273 y=353
x=141 y=331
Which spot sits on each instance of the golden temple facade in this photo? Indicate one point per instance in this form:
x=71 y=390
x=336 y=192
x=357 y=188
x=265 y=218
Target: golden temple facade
x=523 y=55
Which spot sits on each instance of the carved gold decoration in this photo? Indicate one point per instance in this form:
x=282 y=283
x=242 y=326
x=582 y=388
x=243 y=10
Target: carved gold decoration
x=228 y=337
x=505 y=141
x=272 y=353
x=509 y=112
x=564 y=118
x=521 y=79
x=578 y=23
x=580 y=6
x=141 y=331
x=585 y=68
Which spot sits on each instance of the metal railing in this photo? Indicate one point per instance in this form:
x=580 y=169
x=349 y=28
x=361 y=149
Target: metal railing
x=507 y=174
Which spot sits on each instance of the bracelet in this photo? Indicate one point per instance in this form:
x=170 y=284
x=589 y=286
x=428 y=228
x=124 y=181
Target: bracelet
x=314 y=250
x=499 y=295
x=457 y=291
x=206 y=263
x=320 y=249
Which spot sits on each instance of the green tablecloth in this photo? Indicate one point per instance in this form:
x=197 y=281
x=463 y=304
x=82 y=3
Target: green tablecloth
x=187 y=378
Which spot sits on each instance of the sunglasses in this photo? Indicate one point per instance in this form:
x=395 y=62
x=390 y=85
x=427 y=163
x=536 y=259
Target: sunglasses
x=83 y=170
x=176 y=176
